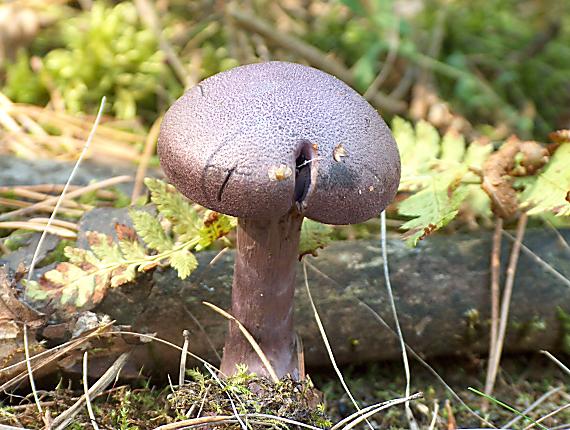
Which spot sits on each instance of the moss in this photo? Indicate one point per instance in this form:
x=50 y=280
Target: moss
x=249 y=394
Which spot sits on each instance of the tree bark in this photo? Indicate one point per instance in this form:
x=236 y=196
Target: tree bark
x=441 y=289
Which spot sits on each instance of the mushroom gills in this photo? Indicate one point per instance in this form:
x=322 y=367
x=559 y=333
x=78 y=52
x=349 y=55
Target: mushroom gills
x=303 y=166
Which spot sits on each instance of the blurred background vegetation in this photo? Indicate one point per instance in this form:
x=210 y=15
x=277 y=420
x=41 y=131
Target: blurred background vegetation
x=490 y=68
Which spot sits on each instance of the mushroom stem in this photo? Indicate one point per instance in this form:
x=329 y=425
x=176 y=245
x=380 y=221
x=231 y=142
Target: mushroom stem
x=262 y=295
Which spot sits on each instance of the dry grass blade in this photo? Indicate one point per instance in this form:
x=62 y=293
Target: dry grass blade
x=37 y=226
x=532 y=406
x=149 y=147
x=220 y=419
x=551 y=414
x=540 y=261
x=73 y=194
x=7 y=427
x=434 y=415
x=86 y=392
x=102 y=383
x=57 y=222
x=557 y=361
x=30 y=372
x=380 y=408
x=409 y=414
x=376 y=406
x=51 y=355
x=427 y=366
x=165 y=342
x=64 y=191
x=249 y=338
x=327 y=343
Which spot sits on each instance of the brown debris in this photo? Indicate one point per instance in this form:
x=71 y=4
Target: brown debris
x=514 y=158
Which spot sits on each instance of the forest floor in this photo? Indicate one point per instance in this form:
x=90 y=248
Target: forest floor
x=523 y=381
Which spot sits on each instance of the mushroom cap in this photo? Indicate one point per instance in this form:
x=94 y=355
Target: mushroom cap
x=236 y=143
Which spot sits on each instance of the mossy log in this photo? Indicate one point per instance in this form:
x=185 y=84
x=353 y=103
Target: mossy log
x=441 y=290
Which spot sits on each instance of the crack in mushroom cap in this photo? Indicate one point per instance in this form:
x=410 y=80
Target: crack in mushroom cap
x=232 y=144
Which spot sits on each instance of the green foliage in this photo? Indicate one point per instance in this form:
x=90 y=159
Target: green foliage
x=105 y=51
x=82 y=281
x=550 y=190
x=433 y=207
x=440 y=173
x=444 y=175
x=22 y=84
x=314 y=235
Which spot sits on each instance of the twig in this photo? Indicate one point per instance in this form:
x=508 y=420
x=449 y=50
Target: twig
x=102 y=383
x=249 y=338
x=327 y=344
x=183 y=356
x=309 y=53
x=86 y=391
x=506 y=300
x=149 y=147
x=495 y=293
x=409 y=414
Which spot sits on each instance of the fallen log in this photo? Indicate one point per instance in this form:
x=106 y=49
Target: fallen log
x=441 y=289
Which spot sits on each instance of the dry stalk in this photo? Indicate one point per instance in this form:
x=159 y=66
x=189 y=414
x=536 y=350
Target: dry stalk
x=506 y=300
x=495 y=293
x=183 y=356
x=249 y=338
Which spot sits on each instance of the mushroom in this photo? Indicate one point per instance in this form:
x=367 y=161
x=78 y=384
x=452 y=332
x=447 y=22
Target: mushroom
x=271 y=143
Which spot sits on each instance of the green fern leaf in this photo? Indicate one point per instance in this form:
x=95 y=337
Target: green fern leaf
x=184 y=262
x=174 y=207
x=550 y=191
x=149 y=229
x=123 y=274
x=452 y=148
x=314 y=235
x=103 y=247
x=433 y=207
x=214 y=226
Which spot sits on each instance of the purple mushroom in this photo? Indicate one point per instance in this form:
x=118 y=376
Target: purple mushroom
x=271 y=143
